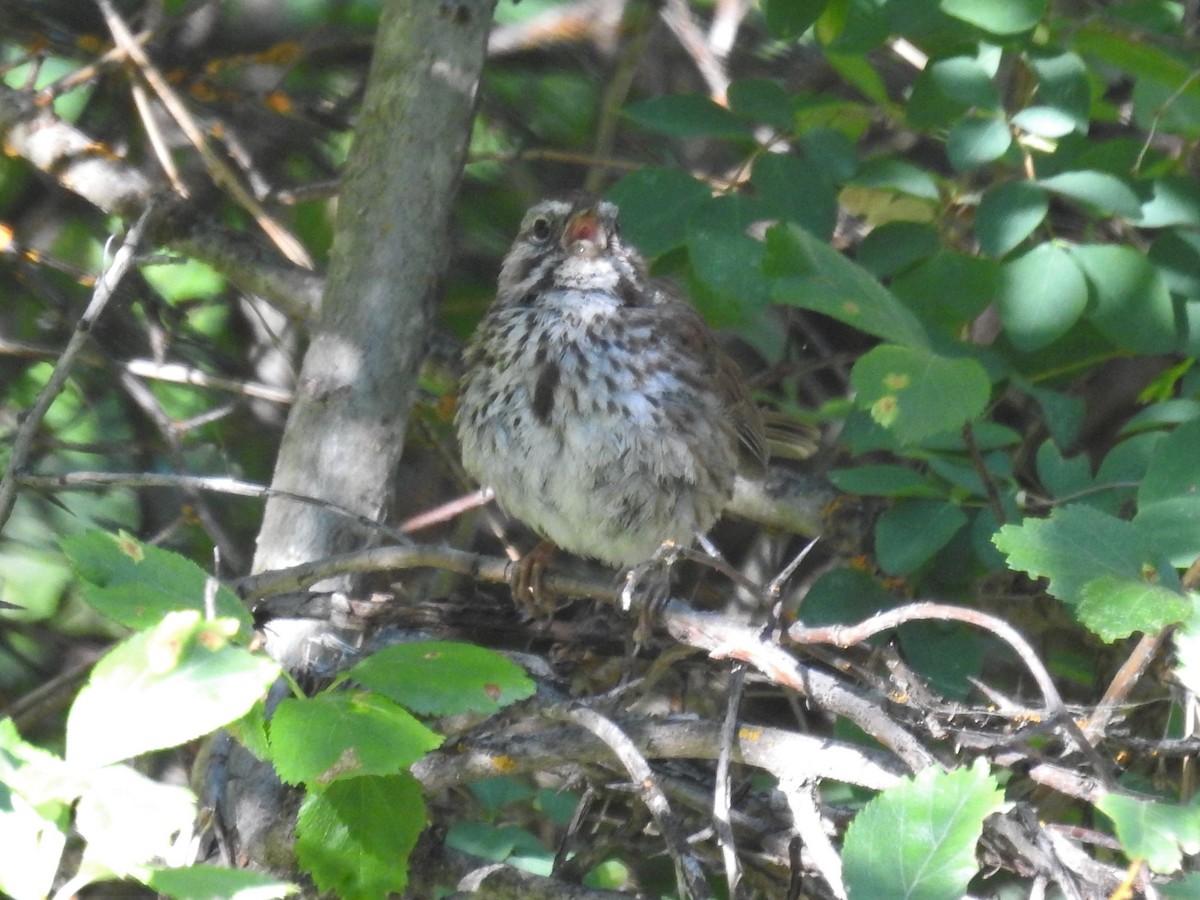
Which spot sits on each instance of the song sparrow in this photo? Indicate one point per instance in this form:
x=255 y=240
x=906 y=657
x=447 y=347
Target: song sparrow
x=596 y=403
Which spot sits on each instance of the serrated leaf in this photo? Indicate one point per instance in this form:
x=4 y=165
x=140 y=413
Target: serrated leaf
x=1114 y=608
x=687 y=116
x=915 y=393
x=1154 y=830
x=1042 y=293
x=162 y=687
x=812 y=275
x=976 y=141
x=201 y=882
x=1007 y=214
x=1133 y=307
x=918 y=838
x=344 y=734
x=136 y=584
x=1105 y=192
x=355 y=837
x=444 y=678
x=655 y=203
x=911 y=532
x=1078 y=544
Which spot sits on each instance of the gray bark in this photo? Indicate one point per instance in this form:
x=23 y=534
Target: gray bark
x=346 y=429
x=345 y=433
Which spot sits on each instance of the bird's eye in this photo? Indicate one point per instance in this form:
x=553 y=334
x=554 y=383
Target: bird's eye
x=539 y=232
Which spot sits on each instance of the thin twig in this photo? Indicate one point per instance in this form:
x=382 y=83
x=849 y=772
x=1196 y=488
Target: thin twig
x=688 y=872
x=806 y=816
x=220 y=171
x=723 y=789
x=219 y=484
x=106 y=285
x=1056 y=710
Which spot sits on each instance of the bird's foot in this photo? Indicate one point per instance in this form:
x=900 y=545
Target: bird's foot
x=527 y=580
x=648 y=588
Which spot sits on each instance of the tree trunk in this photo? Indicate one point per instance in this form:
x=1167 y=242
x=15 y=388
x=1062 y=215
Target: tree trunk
x=346 y=429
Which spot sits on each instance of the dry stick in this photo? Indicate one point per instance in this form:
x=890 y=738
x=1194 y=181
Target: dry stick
x=688 y=872
x=678 y=18
x=723 y=790
x=846 y=636
x=1134 y=667
x=220 y=171
x=806 y=816
x=106 y=284
x=218 y=484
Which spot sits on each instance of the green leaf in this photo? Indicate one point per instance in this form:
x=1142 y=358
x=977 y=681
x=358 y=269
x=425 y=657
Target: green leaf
x=727 y=261
x=356 y=836
x=1009 y=17
x=1187 y=648
x=884 y=481
x=1042 y=293
x=1062 y=476
x=444 y=678
x=1009 y=213
x=501 y=843
x=1173 y=201
x=949 y=288
x=761 y=100
x=136 y=584
x=965 y=80
x=344 y=734
x=36 y=789
x=918 y=838
x=1114 y=608
x=1133 y=307
x=1154 y=830
x=975 y=141
x=1045 y=121
x=1063 y=85
x=1107 y=193
x=796 y=191
x=1169 y=495
x=202 y=882
x=1077 y=545
x=655 y=204
x=162 y=687
x=911 y=532
x=787 y=20
x=129 y=820
x=895 y=246
x=687 y=116
x=897 y=175
x=1174 y=469
x=916 y=394
x=1177 y=255
x=812 y=275
x=845 y=595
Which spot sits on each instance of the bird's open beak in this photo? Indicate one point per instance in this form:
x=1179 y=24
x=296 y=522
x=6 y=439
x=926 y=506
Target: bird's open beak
x=585 y=233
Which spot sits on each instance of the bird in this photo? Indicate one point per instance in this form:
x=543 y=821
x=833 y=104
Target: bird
x=596 y=403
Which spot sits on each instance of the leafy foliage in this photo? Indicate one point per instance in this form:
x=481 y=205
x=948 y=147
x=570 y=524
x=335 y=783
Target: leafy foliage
x=963 y=236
